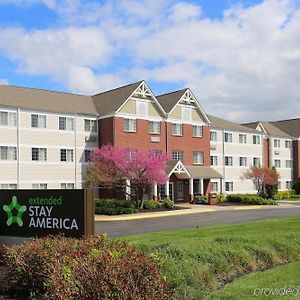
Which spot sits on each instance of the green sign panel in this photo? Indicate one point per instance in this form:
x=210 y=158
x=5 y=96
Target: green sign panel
x=36 y=213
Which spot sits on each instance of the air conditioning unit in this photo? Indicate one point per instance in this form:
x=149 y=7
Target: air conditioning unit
x=276 y=152
x=90 y=139
x=213 y=147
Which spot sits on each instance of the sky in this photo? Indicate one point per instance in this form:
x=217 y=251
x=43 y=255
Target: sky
x=241 y=59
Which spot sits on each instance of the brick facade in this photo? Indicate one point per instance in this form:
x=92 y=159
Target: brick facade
x=296 y=159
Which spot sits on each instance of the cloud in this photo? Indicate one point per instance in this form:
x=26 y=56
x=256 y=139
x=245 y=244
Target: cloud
x=3 y=81
x=55 y=52
x=243 y=66
x=245 y=61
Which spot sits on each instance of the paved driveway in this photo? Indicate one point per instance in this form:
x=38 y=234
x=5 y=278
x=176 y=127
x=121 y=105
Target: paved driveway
x=123 y=227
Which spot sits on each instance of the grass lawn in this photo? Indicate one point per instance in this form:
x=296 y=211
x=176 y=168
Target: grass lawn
x=282 y=282
x=198 y=261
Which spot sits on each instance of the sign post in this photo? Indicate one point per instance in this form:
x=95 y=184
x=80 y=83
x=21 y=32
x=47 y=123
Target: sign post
x=37 y=213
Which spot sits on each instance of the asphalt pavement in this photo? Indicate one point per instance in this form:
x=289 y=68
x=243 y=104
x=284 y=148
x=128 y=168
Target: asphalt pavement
x=116 y=228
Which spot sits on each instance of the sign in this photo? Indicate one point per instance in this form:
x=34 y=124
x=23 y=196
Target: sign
x=37 y=213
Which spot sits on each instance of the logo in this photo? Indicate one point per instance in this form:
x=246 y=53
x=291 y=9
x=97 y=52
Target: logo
x=20 y=209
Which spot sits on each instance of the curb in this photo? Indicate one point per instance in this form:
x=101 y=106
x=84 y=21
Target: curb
x=101 y=218
x=153 y=215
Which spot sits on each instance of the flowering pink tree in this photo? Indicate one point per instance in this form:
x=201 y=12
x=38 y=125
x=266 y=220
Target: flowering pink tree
x=111 y=166
x=262 y=177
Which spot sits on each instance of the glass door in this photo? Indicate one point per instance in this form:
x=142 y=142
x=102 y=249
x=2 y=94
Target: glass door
x=179 y=190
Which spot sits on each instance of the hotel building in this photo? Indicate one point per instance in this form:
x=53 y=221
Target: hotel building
x=46 y=138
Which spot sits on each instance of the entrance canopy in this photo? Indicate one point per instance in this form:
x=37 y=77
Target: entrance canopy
x=185 y=172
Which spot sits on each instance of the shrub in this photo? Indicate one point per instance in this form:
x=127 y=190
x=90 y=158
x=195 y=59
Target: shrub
x=167 y=203
x=114 y=207
x=199 y=199
x=89 y=268
x=281 y=195
x=271 y=190
x=296 y=186
x=249 y=199
x=152 y=204
x=221 y=198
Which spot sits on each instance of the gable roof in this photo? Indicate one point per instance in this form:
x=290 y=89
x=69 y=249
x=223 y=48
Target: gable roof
x=292 y=126
x=269 y=128
x=219 y=123
x=168 y=101
x=110 y=101
x=44 y=100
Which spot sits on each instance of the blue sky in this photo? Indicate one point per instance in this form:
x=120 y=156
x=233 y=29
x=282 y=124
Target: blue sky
x=239 y=54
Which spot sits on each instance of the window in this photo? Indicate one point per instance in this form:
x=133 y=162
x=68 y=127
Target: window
x=228 y=137
x=8 y=118
x=198 y=157
x=8 y=186
x=156 y=152
x=39 y=186
x=69 y=186
x=214 y=187
x=87 y=155
x=289 y=185
x=142 y=108
x=8 y=153
x=288 y=163
x=186 y=113
x=66 y=155
x=154 y=127
x=229 y=186
x=197 y=131
x=228 y=161
x=243 y=161
x=277 y=163
x=38 y=121
x=130 y=125
x=256 y=161
x=213 y=136
x=177 y=155
x=176 y=129
x=276 y=143
x=65 y=123
x=90 y=125
x=279 y=185
x=256 y=139
x=242 y=138
x=214 y=160
x=288 y=144
x=39 y=154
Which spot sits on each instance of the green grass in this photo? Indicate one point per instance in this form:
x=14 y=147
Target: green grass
x=279 y=283
x=198 y=261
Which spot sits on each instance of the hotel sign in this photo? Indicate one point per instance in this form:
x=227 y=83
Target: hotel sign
x=37 y=213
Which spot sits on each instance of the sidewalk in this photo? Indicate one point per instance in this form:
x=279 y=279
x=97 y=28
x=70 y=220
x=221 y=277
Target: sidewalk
x=186 y=210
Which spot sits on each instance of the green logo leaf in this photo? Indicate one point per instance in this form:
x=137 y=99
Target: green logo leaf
x=20 y=209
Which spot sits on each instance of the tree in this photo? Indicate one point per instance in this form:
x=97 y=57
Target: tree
x=263 y=178
x=112 y=166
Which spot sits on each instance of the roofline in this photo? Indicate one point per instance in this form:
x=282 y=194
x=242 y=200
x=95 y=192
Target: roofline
x=44 y=90
x=293 y=119
x=171 y=92
x=120 y=87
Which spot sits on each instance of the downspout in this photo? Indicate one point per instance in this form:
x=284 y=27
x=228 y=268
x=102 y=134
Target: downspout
x=223 y=154
x=166 y=131
x=18 y=148
x=75 y=150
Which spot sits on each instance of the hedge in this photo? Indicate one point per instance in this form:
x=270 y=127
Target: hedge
x=114 y=207
x=88 y=268
x=249 y=199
